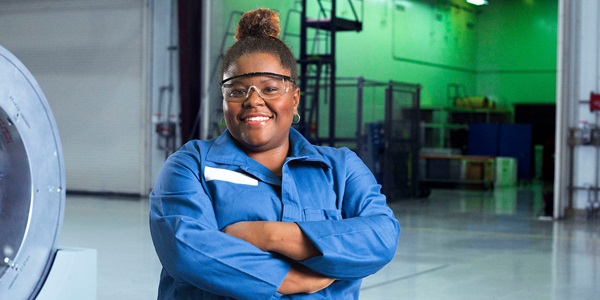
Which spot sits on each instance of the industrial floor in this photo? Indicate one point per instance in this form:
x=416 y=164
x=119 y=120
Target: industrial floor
x=456 y=244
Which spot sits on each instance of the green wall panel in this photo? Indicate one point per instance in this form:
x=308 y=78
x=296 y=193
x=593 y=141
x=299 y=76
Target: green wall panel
x=414 y=42
x=441 y=35
x=518 y=35
x=516 y=51
x=518 y=88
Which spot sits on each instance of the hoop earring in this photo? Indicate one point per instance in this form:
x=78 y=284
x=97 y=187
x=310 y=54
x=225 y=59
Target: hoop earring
x=296 y=118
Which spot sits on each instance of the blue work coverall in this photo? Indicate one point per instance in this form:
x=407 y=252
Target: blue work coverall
x=328 y=192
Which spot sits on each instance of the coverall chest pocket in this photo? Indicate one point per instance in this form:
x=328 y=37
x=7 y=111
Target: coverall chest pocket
x=312 y=214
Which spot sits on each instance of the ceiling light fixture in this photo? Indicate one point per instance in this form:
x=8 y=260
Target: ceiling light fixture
x=477 y=2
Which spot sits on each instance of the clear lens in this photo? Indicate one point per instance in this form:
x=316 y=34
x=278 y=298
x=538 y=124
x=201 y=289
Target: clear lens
x=267 y=87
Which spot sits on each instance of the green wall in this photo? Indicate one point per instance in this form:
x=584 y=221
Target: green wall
x=516 y=51
x=505 y=50
x=415 y=42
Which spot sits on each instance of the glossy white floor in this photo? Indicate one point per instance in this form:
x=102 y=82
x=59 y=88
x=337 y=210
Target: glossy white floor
x=457 y=244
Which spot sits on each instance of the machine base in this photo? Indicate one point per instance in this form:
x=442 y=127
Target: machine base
x=72 y=276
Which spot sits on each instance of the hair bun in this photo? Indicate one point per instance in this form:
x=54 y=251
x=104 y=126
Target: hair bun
x=258 y=22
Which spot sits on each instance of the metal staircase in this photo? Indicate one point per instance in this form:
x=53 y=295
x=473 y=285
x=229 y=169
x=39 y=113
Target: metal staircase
x=319 y=24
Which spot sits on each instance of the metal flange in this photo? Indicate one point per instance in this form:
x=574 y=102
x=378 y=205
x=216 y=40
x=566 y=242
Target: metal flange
x=32 y=182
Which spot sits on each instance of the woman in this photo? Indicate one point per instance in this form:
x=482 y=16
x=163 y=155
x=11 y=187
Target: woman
x=259 y=212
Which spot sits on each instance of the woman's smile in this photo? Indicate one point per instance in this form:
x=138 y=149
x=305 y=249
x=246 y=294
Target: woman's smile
x=256 y=119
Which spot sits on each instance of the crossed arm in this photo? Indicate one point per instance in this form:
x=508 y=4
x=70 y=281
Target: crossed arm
x=286 y=239
x=186 y=235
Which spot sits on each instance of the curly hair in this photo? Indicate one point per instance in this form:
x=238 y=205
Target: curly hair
x=258 y=31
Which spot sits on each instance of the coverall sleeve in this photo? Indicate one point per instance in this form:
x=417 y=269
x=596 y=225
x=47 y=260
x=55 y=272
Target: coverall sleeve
x=366 y=238
x=190 y=246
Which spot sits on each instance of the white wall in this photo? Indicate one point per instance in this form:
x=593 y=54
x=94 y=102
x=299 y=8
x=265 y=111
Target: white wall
x=92 y=60
x=578 y=75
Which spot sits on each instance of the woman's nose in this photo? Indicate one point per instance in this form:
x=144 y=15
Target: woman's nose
x=254 y=98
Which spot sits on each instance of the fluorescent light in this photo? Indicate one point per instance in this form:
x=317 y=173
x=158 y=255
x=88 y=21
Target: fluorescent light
x=477 y=2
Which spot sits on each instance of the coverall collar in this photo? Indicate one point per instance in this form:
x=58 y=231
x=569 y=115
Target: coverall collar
x=226 y=151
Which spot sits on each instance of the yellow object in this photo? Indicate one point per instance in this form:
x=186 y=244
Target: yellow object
x=474 y=102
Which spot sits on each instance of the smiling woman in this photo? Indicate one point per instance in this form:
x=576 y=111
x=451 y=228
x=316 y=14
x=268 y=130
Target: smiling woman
x=262 y=125
x=259 y=212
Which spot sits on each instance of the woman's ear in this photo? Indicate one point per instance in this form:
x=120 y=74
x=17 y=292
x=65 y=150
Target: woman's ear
x=296 y=98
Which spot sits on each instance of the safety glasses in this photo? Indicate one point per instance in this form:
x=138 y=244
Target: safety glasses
x=267 y=85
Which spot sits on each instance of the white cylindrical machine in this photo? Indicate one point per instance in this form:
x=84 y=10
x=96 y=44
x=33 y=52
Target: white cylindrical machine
x=32 y=182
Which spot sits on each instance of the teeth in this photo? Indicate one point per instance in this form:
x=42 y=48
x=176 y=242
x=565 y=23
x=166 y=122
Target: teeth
x=256 y=119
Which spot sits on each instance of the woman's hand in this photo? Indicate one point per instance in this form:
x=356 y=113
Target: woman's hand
x=287 y=239
x=284 y=238
x=303 y=280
